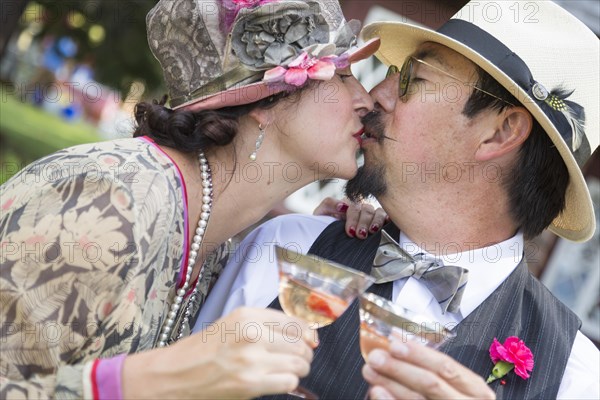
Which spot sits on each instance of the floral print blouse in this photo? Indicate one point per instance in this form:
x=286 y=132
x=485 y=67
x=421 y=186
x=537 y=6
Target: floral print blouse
x=92 y=242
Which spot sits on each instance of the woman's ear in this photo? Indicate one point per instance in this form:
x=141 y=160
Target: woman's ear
x=512 y=129
x=261 y=116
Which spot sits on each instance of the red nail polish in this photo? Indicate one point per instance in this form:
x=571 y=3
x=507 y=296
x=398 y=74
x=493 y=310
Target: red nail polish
x=342 y=207
x=362 y=232
x=503 y=382
x=375 y=228
x=352 y=231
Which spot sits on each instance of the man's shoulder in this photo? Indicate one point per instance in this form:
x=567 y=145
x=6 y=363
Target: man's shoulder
x=294 y=231
x=300 y=220
x=580 y=380
x=290 y=225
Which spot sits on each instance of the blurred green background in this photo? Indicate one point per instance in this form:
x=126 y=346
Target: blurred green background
x=71 y=72
x=31 y=133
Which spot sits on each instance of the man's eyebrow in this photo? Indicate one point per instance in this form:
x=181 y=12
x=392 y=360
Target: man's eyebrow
x=431 y=54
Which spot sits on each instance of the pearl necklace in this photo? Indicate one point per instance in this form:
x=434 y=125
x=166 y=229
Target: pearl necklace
x=194 y=248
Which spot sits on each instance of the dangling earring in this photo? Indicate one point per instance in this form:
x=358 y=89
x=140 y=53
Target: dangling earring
x=259 y=141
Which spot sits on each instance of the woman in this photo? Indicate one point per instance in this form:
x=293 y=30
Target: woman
x=109 y=249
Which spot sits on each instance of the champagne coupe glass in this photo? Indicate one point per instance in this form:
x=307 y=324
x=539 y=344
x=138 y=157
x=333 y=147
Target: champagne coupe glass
x=381 y=320
x=316 y=290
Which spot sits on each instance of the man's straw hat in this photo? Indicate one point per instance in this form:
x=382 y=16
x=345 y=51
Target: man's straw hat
x=531 y=49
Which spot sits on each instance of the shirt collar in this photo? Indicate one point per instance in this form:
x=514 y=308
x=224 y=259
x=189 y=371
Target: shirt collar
x=488 y=266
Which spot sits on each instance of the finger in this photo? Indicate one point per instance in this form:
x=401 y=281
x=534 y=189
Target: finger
x=352 y=217
x=379 y=393
x=325 y=207
x=296 y=333
x=274 y=319
x=385 y=388
x=367 y=212
x=269 y=323
x=414 y=378
x=336 y=215
x=332 y=207
x=457 y=375
x=251 y=384
x=379 y=220
x=275 y=384
x=262 y=361
x=274 y=363
x=283 y=346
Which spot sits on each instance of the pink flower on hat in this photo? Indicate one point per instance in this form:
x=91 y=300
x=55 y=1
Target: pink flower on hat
x=512 y=354
x=233 y=8
x=250 y=3
x=301 y=69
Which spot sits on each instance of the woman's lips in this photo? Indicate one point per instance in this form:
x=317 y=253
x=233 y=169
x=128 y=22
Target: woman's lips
x=367 y=137
x=359 y=136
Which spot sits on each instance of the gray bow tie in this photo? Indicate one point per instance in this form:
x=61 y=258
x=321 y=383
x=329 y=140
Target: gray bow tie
x=446 y=283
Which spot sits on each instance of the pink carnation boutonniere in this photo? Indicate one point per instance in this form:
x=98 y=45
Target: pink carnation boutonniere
x=306 y=67
x=512 y=354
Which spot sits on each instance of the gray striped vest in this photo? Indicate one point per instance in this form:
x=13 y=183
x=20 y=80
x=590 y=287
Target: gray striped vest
x=521 y=306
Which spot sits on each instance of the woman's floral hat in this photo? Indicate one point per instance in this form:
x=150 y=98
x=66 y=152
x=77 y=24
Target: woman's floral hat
x=220 y=53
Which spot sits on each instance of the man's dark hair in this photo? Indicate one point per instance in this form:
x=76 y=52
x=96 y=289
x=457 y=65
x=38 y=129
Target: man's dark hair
x=538 y=181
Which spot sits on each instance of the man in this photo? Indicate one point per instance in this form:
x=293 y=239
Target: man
x=472 y=148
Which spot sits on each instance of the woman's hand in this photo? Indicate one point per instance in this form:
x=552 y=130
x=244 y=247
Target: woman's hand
x=249 y=353
x=412 y=371
x=361 y=218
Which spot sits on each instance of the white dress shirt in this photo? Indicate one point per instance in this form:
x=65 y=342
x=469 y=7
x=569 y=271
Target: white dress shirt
x=251 y=279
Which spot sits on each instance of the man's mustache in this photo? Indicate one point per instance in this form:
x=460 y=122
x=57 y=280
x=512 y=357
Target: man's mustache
x=374 y=126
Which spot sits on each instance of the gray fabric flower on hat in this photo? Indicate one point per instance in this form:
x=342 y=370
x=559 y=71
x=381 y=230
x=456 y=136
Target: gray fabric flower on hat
x=275 y=34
